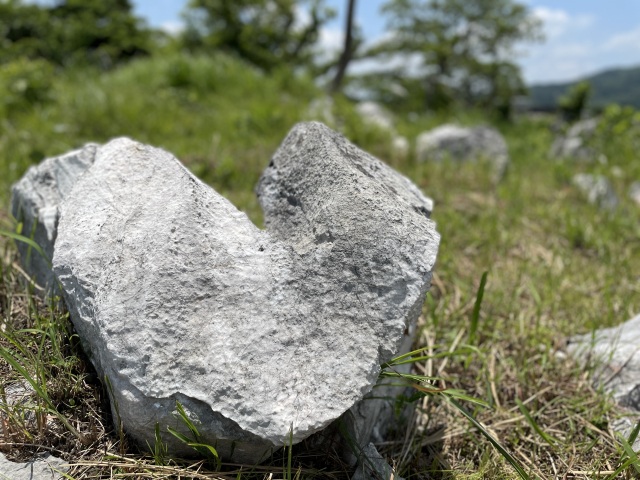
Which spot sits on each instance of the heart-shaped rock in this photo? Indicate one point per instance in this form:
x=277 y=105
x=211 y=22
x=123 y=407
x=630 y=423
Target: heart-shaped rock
x=263 y=336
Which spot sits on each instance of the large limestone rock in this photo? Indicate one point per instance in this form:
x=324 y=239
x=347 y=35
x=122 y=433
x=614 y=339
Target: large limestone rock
x=36 y=203
x=263 y=336
x=463 y=144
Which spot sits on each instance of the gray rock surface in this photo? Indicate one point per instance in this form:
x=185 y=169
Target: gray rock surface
x=597 y=189
x=35 y=202
x=463 y=144
x=262 y=336
x=575 y=143
x=373 y=466
x=46 y=467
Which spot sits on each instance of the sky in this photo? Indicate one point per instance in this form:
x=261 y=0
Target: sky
x=582 y=36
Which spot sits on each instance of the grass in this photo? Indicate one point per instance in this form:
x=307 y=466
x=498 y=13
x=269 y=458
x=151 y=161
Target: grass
x=556 y=266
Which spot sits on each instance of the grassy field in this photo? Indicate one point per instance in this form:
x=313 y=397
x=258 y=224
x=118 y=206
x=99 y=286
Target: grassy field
x=556 y=266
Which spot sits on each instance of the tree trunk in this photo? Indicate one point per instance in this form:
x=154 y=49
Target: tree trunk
x=345 y=58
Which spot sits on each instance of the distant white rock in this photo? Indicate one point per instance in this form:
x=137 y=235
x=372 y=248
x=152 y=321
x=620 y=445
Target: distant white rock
x=321 y=110
x=597 y=189
x=463 y=144
x=376 y=115
x=400 y=148
x=575 y=143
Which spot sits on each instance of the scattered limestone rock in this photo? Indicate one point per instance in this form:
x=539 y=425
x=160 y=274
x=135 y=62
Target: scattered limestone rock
x=376 y=115
x=463 y=144
x=399 y=148
x=321 y=110
x=597 y=189
x=262 y=336
x=46 y=467
x=634 y=192
x=615 y=353
x=36 y=202
x=575 y=144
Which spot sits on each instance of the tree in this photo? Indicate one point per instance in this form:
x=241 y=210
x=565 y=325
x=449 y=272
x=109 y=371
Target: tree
x=267 y=33
x=102 y=32
x=573 y=103
x=70 y=32
x=347 y=51
x=24 y=31
x=458 y=49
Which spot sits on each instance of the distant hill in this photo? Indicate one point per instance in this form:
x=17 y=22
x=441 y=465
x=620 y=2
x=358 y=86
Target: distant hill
x=620 y=85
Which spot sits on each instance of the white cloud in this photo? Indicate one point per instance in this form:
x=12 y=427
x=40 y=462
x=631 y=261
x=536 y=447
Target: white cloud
x=172 y=27
x=554 y=21
x=630 y=39
x=331 y=39
x=558 y=22
x=302 y=17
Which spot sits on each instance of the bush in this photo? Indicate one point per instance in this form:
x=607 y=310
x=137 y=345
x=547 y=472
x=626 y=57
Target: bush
x=23 y=84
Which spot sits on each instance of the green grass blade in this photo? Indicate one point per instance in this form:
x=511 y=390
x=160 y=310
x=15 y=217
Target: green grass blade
x=207 y=451
x=187 y=421
x=28 y=241
x=634 y=434
x=506 y=455
x=545 y=436
x=631 y=454
x=178 y=435
x=475 y=316
x=460 y=395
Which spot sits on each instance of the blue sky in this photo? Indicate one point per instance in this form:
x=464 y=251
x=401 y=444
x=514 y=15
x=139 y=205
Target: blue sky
x=582 y=36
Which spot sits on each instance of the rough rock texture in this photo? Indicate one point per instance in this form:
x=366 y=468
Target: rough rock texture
x=463 y=144
x=260 y=335
x=615 y=352
x=46 y=467
x=35 y=202
x=597 y=189
x=575 y=144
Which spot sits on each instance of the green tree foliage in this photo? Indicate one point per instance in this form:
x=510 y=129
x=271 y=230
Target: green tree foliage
x=267 y=33
x=459 y=50
x=23 y=84
x=71 y=32
x=573 y=103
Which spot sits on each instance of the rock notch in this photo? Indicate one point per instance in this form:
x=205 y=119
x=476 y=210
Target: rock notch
x=262 y=336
